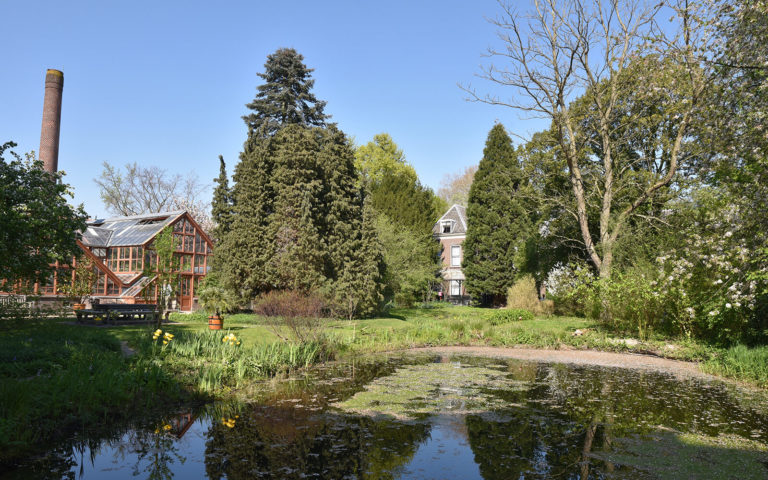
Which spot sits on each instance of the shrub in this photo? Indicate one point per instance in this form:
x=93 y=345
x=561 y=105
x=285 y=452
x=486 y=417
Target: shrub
x=570 y=287
x=300 y=313
x=524 y=295
x=510 y=315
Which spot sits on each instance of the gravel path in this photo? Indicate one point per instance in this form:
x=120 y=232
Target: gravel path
x=581 y=357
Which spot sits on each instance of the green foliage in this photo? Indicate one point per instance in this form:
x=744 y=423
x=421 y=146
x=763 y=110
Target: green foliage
x=382 y=156
x=298 y=216
x=498 y=221
x=742 y=363
x=411 y=268
x=507 y=315
x=524 y=295
x=62 y=378
x=221 y=206
x=285 y=97
x=405 y=201
x=357 y=290
x=81 y=287
x=165 y=272
x=37 y=225
x=216 y=299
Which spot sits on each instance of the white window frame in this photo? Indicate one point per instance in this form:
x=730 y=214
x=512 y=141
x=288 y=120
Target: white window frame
x=455 y=255
x=455 y=288
x=446 y=223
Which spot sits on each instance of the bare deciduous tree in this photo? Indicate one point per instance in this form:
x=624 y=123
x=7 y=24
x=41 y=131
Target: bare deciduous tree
x=564 y=49
x=454 y=188
x=138 y=190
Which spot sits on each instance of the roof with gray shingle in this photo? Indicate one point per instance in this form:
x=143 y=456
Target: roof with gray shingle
x=127 y=231
x=458 y=215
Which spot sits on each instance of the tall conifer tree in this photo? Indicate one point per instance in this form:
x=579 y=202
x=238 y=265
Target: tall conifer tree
x=221 y=206
x=298 y=220
x=497 y=221
x=285 y=97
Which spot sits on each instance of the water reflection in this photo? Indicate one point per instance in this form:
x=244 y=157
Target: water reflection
x=527 y=420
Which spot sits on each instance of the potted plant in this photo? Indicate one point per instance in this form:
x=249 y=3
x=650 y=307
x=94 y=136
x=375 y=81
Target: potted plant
x=216 y=300
x=79 y=288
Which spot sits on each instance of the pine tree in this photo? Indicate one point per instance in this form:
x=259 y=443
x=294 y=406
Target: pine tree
x=285 y=97
x=497 y=221
x=221 y=206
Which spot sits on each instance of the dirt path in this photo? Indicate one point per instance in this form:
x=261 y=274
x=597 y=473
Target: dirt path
x=581 y=357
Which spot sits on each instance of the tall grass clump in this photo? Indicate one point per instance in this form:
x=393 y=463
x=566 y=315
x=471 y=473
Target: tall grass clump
x=742 y=363
x=216 y=359
x=510 y=315
x=525 y=296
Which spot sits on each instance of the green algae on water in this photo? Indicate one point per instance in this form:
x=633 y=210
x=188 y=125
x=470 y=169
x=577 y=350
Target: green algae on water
x=419 y=390
x=670 y=455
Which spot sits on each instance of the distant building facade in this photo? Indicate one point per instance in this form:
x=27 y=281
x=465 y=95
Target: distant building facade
x=451 y=230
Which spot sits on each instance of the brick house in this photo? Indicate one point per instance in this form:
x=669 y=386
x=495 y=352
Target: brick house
x=120 y=249
x=451 y=230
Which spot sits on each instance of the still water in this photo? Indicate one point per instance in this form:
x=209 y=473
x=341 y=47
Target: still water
x=433 y=417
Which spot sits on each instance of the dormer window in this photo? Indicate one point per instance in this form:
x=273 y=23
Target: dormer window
x=446 y=226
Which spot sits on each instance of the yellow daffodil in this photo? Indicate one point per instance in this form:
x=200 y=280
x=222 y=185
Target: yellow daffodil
x=228 y=422
x=166 y=427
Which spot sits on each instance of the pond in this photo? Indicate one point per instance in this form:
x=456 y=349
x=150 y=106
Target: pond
x=444 y=417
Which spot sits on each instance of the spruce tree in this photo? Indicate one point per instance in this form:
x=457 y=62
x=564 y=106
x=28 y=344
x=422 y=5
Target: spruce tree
x=497 y=221
x=221 y=206
x=285 y=97
x=297 y=208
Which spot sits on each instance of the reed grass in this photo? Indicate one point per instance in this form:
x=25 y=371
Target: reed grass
x=742 y=363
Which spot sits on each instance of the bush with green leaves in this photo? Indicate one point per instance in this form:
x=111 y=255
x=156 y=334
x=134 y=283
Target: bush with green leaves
x=509 y=315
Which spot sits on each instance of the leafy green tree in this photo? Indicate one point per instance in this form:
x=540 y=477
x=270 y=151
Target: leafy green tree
x=412 y=266
x=406 y=211
x=380 y=156
x=164 y=272
x=37 y=225
x=545 y=73
x=221 y=212
x=498 y=222
x=734 y=127
x=285 y=97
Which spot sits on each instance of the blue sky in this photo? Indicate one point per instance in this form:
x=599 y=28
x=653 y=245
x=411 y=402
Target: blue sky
x=165 y=82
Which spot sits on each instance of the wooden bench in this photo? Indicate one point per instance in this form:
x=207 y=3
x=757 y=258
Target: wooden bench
x=114 y=313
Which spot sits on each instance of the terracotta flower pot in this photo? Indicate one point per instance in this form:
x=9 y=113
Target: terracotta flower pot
x=215 y=322
x=78 y=306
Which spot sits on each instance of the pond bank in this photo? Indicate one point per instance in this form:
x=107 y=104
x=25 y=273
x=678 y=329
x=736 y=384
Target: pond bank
x=678 y=368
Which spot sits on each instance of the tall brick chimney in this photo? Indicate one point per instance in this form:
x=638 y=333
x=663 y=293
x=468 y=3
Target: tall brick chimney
x=49 y=133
